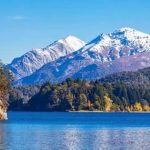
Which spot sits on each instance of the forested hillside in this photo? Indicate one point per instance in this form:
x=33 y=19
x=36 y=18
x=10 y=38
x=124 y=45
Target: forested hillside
x=21 y=95
x=126 y=91
x=138 y=79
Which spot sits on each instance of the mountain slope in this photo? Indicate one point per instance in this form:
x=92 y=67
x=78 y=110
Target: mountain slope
x=140 y=78
x=35 y=59
x=122 y=50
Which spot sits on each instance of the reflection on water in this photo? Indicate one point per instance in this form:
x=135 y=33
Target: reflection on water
x=2 y=141
x=28 y=137
x=47 y=136
x=135 y=138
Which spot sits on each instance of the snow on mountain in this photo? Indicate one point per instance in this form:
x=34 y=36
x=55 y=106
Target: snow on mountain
x=122 y=50
x=35 y=59
x=123 y=42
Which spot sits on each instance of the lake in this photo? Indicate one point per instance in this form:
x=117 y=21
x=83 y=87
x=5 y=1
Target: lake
x=75 y=131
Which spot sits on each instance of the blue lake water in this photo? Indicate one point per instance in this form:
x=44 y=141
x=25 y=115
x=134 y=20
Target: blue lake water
x=75 y=131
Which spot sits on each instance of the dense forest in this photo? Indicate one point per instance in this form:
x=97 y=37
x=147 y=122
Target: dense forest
x=21 y=95
x=126 y=91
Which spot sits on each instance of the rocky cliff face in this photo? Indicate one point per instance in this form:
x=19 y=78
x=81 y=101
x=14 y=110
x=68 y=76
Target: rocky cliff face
x=3 y=109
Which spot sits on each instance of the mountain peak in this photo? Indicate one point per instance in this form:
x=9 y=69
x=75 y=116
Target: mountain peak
x=74 y=42
x=71 y=37
x=130 y=34
x=126 y=29
x=35 y=59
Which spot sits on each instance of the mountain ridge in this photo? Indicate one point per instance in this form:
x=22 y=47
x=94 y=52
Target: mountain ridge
x=35 y=59
x=125 y=49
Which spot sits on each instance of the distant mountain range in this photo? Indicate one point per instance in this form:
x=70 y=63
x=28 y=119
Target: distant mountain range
x=125 y=49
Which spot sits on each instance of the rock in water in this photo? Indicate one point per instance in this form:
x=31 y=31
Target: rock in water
x=3 y=110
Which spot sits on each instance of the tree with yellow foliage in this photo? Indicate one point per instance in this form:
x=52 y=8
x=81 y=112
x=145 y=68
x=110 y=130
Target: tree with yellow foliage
x=146 y=108
x=137 y=107
x=107 y=103
x=128 y=109
x=83 y=102
x=145 y=105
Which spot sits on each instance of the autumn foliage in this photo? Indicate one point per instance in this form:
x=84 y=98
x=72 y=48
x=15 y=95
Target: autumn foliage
x=5 y=79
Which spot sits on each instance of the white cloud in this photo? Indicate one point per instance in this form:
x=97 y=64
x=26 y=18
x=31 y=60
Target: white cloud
x=18 y=17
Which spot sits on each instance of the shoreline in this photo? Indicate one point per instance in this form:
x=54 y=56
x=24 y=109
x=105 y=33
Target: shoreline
x=83 y=111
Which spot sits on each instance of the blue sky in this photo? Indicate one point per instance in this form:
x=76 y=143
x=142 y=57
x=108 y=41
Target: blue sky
x=27 y=24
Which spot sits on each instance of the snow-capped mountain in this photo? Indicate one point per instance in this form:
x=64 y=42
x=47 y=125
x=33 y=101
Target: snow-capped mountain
x=123 y=42
x=122 y=50
x=35 y=59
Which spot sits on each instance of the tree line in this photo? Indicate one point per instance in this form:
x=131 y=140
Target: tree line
x=126 y=91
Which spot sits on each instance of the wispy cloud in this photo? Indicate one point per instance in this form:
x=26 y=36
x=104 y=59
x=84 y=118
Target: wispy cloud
x=18 y=17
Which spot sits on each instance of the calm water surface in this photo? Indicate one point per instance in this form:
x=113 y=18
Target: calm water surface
x=75 y=131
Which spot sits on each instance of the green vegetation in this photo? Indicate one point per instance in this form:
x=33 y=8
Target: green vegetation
x=126 y=91
x=21 y=95
x=81 y=95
